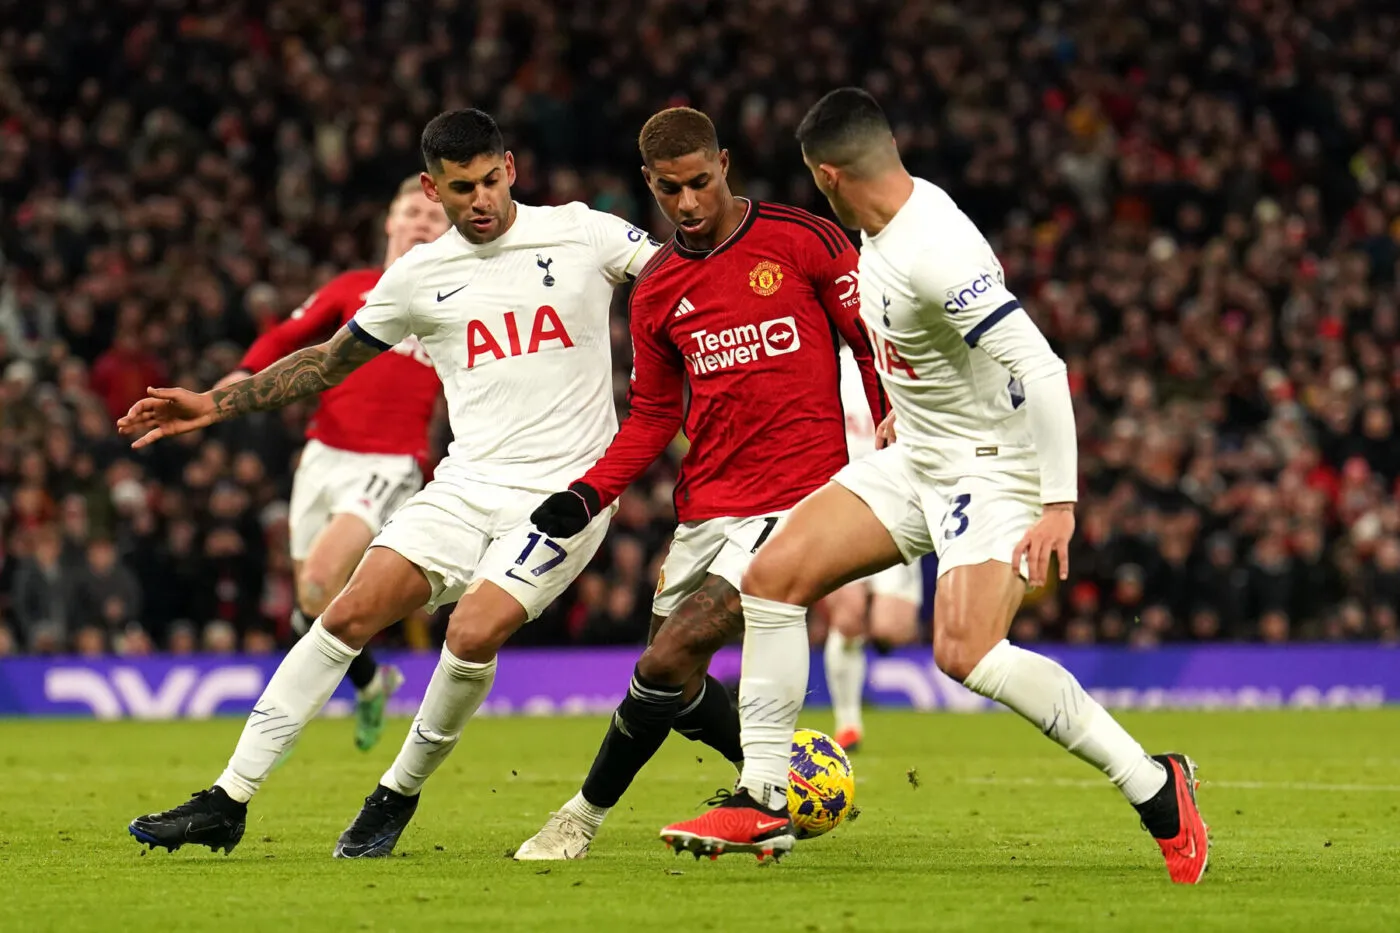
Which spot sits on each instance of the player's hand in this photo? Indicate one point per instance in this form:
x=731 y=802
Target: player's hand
x=165 y=413
x=237 y=375
x=1049 y=535
x=884 y=432
x=566 y=513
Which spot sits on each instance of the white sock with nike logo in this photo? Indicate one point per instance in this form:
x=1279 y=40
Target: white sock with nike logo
x=300 y=686
x=1049 y=696
x=772 y=686
x=454 y=694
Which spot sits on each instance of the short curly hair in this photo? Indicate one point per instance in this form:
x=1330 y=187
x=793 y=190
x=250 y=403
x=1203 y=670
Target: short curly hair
x=676 y=132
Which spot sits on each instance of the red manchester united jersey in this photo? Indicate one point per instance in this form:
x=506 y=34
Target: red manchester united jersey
x=753 y=325
x=384 y=406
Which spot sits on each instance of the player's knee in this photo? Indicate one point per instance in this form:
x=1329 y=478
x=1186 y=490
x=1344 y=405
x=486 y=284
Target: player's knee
x=894 y=625
x=957 y=655
x=664 y=663
x=845 y=613
x=313 y=592
x=474 y=639
x=352 y=617
x=675 y=655
x=776 y=573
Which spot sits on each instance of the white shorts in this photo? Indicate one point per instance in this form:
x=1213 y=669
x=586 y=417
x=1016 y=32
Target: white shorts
x=459 y=532
x=721 y=546
x=330 y=481
x=964 y=520
x=902 y=581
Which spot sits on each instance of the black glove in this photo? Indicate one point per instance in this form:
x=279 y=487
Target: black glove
x=565 y=514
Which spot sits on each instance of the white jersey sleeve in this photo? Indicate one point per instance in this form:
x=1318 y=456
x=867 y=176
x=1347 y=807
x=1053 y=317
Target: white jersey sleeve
x=966 y=281
x=621 y=248
x=860 y=425
x=387 y=316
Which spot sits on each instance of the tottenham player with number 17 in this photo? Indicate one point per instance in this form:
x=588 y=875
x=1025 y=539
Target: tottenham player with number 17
x=985 y=474
x=511 y=305
x=745 y=306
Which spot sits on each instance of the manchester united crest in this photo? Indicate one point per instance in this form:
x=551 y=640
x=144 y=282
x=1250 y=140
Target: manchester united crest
x=766 y=278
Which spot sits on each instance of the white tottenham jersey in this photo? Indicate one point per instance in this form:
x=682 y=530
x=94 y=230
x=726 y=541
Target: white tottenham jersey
x=955 y=349
x=860 y=425
x=517 y=330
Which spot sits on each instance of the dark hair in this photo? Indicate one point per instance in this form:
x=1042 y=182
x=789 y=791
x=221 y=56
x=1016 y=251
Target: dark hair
x=676 y=132
x=460 y=136
x=842 y=128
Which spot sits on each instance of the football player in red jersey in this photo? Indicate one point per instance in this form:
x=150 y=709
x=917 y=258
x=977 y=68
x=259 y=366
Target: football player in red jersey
x=366 y=447
x=745 y=305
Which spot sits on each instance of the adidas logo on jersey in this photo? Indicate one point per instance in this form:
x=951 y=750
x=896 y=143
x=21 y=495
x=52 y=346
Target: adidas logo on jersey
x=684 y=308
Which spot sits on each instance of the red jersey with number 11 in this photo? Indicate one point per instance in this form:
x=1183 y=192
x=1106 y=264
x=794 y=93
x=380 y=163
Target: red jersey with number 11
x=753 y=326
x=381 y=408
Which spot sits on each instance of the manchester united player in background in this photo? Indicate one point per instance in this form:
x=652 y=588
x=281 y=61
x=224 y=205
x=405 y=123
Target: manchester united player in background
x=366 y=447
x=745 y=304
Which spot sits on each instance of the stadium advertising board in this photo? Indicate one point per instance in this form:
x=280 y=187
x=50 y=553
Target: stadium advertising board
x=571 y=681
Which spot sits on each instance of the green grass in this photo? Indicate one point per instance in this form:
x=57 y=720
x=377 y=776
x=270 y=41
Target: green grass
x=1003 y=832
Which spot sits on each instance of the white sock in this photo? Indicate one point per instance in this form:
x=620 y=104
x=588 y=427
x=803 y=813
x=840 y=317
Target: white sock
x=845 y=677
x=772 y=685
x=373 y=688
x=301 y=685
x=586 y=813
x=1049 y=696
x=455 y=693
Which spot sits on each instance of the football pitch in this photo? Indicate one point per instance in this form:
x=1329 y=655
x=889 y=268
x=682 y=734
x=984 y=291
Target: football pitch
x=966 y=823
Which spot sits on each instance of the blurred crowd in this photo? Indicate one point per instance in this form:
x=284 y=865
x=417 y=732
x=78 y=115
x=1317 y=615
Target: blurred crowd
x=1198 y=200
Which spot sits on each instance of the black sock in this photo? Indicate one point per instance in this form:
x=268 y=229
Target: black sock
x=711 y=718
x=362 y=669
x=1159 y=813
x=635 y=734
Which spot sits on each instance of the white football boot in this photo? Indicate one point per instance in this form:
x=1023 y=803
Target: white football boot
x=563 y=837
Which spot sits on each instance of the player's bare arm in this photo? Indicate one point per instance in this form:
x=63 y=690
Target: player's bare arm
x=167 y=412
x=302 y=374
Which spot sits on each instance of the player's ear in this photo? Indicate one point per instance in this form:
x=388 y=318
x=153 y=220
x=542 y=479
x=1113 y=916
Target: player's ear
x=429 y=184
x=724 y=162
x=510 y=168
x=646 y=175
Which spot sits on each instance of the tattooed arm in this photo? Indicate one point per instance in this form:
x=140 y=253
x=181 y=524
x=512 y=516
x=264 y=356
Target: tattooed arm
x=167 y=412
x=297 y=376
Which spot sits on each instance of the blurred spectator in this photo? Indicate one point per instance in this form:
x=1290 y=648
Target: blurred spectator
x=182 y=639
x=106 y=591
x=44 y=593
x=220 y=638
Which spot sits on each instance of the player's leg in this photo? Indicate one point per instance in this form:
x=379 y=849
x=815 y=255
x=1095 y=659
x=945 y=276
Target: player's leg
x=517 y=576
x=844 y=659
x=978 y=595
x=331 y=524
x=329 y=562
x=368 y=489
x=384 y=588
x=863 y=521
x=889 y=618
x=694 y=613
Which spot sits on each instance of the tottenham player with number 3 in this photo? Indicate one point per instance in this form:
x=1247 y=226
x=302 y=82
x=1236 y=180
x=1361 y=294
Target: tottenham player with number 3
x=744 y=305
x=511 y=305
x=366 y=446
x=984 y=473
